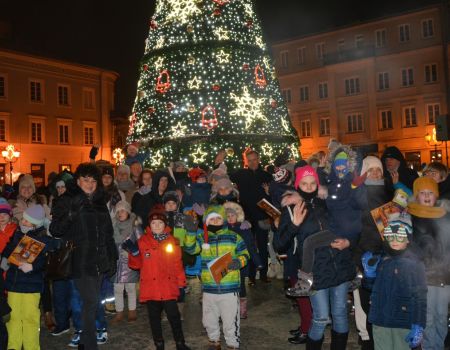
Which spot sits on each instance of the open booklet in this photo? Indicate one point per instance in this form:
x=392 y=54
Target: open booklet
x=218 y=267
x=26 y=251
x=268 y=207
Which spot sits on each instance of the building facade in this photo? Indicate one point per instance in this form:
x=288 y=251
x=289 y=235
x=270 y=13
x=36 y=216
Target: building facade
x=374 y=84
x=53 y=112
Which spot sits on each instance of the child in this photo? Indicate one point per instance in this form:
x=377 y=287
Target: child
x=125 y=226
x=158 y=256
x=220 y=301
x=236 y=222
x=133 y=154
x=7 y=226
x=398 y=299
x=25 y=283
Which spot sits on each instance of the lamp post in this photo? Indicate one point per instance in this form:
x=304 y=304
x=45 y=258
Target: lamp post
x=431 y=140
x=10 y=154
x=118 y=156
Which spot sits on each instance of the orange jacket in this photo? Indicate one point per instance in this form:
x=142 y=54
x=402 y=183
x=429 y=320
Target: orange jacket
x=5 y=235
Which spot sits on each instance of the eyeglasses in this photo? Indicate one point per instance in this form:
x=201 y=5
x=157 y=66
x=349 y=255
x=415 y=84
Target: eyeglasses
x=390 y=237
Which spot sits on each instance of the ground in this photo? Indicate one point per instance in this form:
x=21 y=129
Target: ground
x=270 y=318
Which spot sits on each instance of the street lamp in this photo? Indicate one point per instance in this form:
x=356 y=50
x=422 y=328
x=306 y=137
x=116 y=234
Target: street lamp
x=10 y=154
x=118 y=156
x=432 y=140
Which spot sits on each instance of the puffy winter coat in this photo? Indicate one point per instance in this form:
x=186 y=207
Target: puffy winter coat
x=161 y=270
x=6 y=235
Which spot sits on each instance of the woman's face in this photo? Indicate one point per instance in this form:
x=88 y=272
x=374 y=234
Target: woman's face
x=163 y=183
x=107 y=180
x=26 y=191
x=308 y=184
x=147 y=179
x=60 y=190
x=87 y=184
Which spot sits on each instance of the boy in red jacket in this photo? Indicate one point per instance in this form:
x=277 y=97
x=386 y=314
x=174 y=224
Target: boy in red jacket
x=158 y=257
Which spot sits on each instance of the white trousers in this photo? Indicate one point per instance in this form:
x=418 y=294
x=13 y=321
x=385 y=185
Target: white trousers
x=360 y=316
x=130 y=288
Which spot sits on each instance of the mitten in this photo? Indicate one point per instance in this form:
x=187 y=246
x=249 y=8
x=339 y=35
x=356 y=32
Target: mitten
x=93 y=152
x=358 y=180
x=245 y=225
x=26 y=267
x=234 y=265
x=199 y=208
x=189 y=224
x=130 y=247
x=415 y=336
x=370 y=263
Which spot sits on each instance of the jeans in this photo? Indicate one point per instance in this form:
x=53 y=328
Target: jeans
x=332 y=299
x=262 y=240
x=438 y=299
x=61 y=303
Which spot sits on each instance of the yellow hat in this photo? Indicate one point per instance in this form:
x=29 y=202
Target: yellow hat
x=425 y=183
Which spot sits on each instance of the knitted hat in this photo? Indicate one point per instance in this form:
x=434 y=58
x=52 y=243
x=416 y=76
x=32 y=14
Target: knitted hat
x=123 y=205
x=179 y=164
x=281 y=175
x=222 y=183
x=5 y=207
x=108 y=170
x=425 y=183
x=157 y=213
x=197 y=173
x=236 y=209
x=400 y=226
x=123 y=168
x=214 y=211
x=219 y=173
x=393 y=152
x=303 y=171
x=27 y=180
x=171 y=196
x=35 y=215
x=133 y=145
x=371 y=162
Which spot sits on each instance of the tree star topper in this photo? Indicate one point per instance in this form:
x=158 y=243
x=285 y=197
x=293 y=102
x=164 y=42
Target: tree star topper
x=179 y=130
x=248 y=107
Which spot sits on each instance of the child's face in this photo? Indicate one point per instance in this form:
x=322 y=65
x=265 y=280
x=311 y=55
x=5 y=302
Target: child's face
x=107 y=180
x=60 y=190
x=396 y=245
x=232 y=218
x=132 y=152
x=4 y=218
x=26 y=223
x=157 y=226
x=426 y=198
x=308 y=184
x=170 y=206
x=201 y=180
x=122 y=215
x=224 y=191
x=374 y=174
x=434 y=174
x=216 y=221
x=147 y=179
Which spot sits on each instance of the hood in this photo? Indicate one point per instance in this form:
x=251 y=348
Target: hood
x=393 y=152
x=237 y=208
x=157 y=176
x=353 y=162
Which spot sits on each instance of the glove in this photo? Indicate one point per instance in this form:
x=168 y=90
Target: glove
x=93 y=152
x=234 y=265
x=199 y=208
x=190 y=224
x=245 y=225
x=370 y=263
x=130 y=247
x=415 y=336
x=26 y=267
x=358 y=180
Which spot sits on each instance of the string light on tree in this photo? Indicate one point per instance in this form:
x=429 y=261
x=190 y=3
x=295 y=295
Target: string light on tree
x=182 y=10
x=248 y=107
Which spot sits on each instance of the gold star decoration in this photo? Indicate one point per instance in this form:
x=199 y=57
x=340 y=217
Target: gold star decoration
x=248 y=9
x=285 y=124
x=223 y=57
x=181 y=11
x=266 y=61
x=160 y=42
x=248 y=107
x=179 y=130
x=194 y=83
x=267 y=149
x=199 y=155
x=159 y=63
x=157 y=158
x=221 y=34
x=260 y=42
x=295 y=152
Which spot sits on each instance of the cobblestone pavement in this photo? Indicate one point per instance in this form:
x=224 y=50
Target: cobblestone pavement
x=270 y=317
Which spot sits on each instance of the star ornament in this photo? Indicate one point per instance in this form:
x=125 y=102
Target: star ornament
x=179 y=130
x=285 y=125
x=260 y=42
x=267 y=149
x=221 y=34
x=199 y=155
x=248 y=10
x=157 y=158
x=223 y=57
x=160 y=42
x=248 y=107
x=159 y=63
x=182 y=11
x=194 y=83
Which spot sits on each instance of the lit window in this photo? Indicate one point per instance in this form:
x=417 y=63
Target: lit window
x=409 y=114
x=305 y=128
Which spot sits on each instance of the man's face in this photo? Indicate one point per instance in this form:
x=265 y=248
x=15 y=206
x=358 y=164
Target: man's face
x=26 y=191
x=253 y=161
x=392 y=164
x=426 y=198
x=87 y=184
x=107 y=180
x=136 y=169
x=170 y=206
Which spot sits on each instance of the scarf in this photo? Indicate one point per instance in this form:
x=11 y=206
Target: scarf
x=161 y=237
x=127 y=185
x=144 y=189
x=423 y=211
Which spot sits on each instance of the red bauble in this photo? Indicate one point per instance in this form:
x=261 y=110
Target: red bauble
x=163 y=82
x=260 y=78
x=245 y=66
x=216 y=87
x=217 y=12
x=209 y=117
x=153 y=24
x=249 y=23
x=221 y=2
x=273 y=103
x=145 y=66
x=151 y=110
x=170 y=106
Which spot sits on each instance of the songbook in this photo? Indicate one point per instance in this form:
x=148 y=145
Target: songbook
x=26 y=251
x=218 y=267
x=269 y=208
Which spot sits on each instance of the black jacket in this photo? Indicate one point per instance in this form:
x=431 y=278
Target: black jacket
x=87 y=222
x=405 y=174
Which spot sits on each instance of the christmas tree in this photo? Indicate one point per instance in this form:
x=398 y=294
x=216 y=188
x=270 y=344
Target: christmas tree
x=207 y=83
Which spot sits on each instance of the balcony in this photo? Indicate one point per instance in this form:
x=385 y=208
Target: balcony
x=348 y=55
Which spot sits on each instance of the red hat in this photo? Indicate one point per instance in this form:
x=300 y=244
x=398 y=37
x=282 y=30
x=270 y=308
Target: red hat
x=157 y=213
x=197 y=173
x=303 y=171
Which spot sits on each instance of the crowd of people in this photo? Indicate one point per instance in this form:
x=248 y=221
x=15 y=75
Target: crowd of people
x=339 y=225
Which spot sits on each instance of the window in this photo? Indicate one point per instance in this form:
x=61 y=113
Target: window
x=64 y=131
x=380 y=38
x=355 y=123
x=4 y=126
x=383 y=81
x=436 y=156
x=3 y=87
x=323 y=90
x=385 y=119
x=89 y=129
x=433 y=110
x=352 y=86
x=284 y=59
x=407 y=77
x=63 y=95
x=324 y=126
x=88 y=99
x=37 y=129
x=287 y=95
x=36 y=91
x=301 y=55
x=427 y=28
x=431 y=74
x=320 y=50
x=305 y=128
x=304 y=93
x=359 y=41
x=413 y=160
x=341 y=45
x=409 y=114
x=404 y=33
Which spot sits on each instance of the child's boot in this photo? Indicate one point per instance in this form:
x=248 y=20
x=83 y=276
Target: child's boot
x=214 y=345
x=117 y=318
x=182 y=346
x=243 y=308
x=132 y=315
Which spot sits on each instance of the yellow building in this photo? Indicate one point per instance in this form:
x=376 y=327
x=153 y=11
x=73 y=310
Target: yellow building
x=53 y=112
x=374 y=84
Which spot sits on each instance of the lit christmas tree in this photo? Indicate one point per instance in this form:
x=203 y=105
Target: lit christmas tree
x=207 y=83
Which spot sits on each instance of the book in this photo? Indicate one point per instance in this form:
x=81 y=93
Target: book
x=268 y=207
x=218 y=267
x=26 y=251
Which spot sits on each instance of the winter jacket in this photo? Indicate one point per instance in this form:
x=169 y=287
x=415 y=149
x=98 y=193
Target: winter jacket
x=161 y=271
x=140 y=158
x=86 y=221
x=249 y=183
x=220 y=243
x=6 y=234
x=200 y=193
x=399 y=293
x=122 y=231
x=4 y=307
x=112 y=196
x=444 y=189
x=405 y=174
x=33 y=281
x=276 y=192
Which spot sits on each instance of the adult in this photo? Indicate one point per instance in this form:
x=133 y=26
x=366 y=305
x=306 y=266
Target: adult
x=396 y=170
x=112 y=193
x=145 y=186
x=82 y=216
x=27 y=197
x=251 y=182
x=135 y=171
x=124 y=182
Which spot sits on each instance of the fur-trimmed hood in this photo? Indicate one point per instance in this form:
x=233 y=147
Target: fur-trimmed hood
x=352 y=158
x=237 y=208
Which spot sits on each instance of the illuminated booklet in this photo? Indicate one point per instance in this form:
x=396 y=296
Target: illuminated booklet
x=26 y=251
x=219 y=266
x=268 y=207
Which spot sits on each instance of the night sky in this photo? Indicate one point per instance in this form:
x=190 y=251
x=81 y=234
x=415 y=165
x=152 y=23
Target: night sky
x=111 y=34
